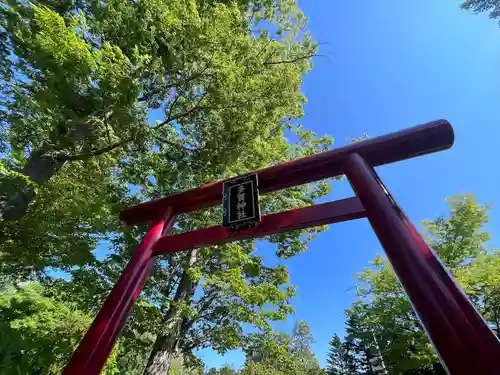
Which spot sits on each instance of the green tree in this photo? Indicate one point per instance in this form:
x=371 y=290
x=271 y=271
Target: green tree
x=66 y=131
x=360 y=340
x=385 y=310
x=38 y=333
x=459 y=238
x=340 y=360
x=81 y=84
x=227 y=370
x=302 y=338
x=481 y=281
x=280 y=353
x=351 y=355
x=79 y=77
x=179 y=367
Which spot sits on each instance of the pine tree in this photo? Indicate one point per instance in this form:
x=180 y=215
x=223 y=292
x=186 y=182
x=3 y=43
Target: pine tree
x=340 y=359
x=358 y=338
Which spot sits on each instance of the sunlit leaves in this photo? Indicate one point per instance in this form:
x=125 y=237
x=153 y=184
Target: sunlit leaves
x=122 y=101
x=39 y=333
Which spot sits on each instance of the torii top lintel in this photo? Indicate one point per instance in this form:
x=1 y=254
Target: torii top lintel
x=405 y=144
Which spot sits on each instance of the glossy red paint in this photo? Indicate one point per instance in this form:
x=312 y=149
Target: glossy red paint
x=95 y=347
x=408 y=143
x=325 y=213
x=461 y=337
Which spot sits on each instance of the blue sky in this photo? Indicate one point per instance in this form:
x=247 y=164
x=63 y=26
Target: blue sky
x=388 y=65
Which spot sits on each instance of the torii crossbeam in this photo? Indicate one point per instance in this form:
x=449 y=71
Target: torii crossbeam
x=464 y=342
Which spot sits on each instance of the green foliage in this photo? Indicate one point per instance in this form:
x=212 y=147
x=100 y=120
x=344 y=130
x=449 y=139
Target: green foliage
x=279 y=353
x=459 y=238
x=481 y=281
x=80 y=82
x=85 y=74
x=261 y=369
x=339 y=357
x=479 y=6
x=180 y=368
x=227 y=370
x=66 y=222
x=351 y=354
x=38 y=333
x=80 y=85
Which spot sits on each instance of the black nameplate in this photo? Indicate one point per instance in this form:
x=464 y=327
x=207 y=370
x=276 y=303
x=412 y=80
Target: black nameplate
x=241 y=203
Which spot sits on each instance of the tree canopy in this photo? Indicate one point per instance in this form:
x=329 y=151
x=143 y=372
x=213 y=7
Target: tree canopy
x=38 y=333
x=279 y=353
x=105 y=104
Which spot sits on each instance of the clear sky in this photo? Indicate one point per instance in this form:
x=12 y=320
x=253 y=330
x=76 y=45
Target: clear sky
x=388 y=65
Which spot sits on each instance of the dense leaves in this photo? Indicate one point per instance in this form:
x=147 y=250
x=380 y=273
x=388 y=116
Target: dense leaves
x=83 y=75
x=340 y=360
x=37 y=333
x=279 y=353
x=108 y=103
x=351 y=355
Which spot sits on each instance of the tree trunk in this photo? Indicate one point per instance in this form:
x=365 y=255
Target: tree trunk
x=165 y=350
x=40 y=167
x=167 y=346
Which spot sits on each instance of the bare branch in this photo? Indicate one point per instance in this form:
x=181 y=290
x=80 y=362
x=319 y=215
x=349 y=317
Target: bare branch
x=66 y=157
x=206 y=333
x=172 y=106
x=290 y=61
x=107 y=127
x=174 y=282
x=269 y=57
x=183 y=114
x=175 y=144
x=82 y=128
x=264 y=48
x=183 y=83
x=207 y=302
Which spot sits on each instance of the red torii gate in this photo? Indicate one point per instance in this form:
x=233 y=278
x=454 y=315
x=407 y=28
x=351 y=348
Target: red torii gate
x=464 y=342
